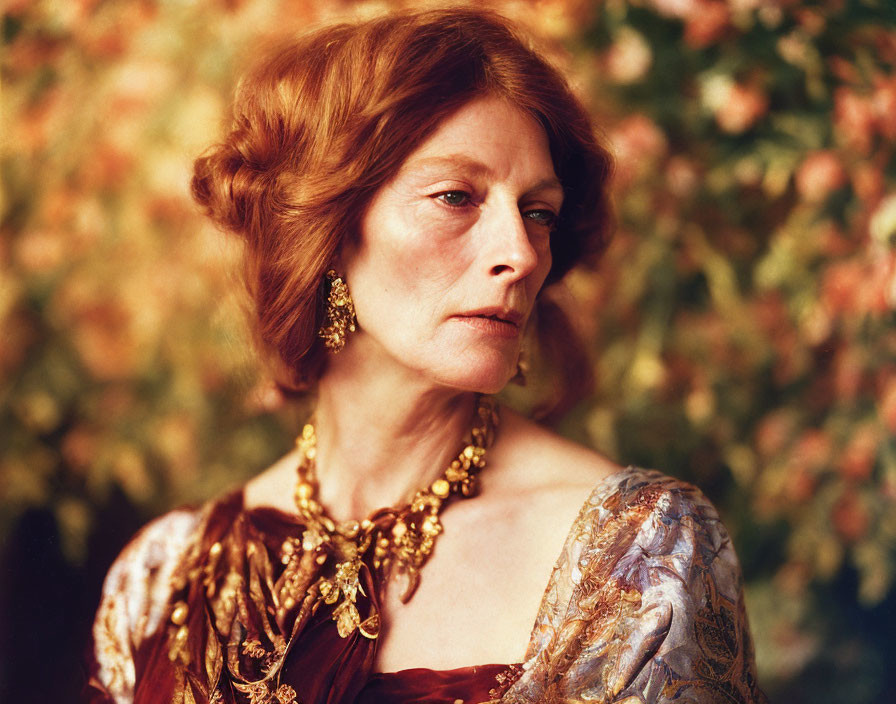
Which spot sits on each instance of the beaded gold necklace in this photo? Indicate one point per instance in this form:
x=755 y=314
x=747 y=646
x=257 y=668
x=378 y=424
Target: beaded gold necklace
x=401 y=539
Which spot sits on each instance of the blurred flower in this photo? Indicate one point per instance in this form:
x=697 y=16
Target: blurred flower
x=859 y=286
x=103 y=328
x=677 y=8
x=800 y=485
x=39 y=411
x=794 y=48
x=810 y=19
x=637 y=142
x=820 y=174
x=850 y=516
x=743 y=106
x=700 y=403
x=681 y=176
x=849 y=371
x=107 y=168
x=40 y=251
x=808 y=456
x=883 y=105
x=708 y=25
x=714 y=90
x=857 y=459
x=629 y=57
x=867 y=181
x=842 y=285
x=80 y=448
x=749 y=171
x=882 y=225
x=138 y=83
x=775 y=432
x=853 y=120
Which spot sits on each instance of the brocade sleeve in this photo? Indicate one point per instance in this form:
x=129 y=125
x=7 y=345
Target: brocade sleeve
x=645 y=604
x=133 y=600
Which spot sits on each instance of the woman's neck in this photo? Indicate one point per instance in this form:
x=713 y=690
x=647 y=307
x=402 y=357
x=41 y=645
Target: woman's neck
x=381 y=437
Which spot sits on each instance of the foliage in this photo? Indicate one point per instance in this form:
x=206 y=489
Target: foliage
x=741 y=323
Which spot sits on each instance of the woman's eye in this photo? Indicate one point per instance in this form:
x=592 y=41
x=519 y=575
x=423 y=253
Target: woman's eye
x=547 y=218
x=453 y=198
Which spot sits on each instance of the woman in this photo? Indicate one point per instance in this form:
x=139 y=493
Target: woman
x=406 y=189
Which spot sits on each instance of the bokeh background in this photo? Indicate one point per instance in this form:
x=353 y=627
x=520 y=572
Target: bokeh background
x=741 y=324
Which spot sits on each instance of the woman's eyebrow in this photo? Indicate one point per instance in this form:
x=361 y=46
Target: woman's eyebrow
x=451 y=160
x=551 y=183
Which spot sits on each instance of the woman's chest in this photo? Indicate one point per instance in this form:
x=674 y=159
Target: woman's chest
x=480 y=592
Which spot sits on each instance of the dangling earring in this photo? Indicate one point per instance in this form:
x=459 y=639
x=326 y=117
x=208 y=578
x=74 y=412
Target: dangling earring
x=522 y=368
x=340 y=313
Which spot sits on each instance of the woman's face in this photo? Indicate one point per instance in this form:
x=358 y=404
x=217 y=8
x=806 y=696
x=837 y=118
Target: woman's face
x=454 y=249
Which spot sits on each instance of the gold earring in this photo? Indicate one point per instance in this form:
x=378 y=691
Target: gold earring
x=522 y=368
x=340 y=313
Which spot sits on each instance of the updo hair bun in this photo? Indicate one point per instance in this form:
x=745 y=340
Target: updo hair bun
x=323 y=121
x=222 y=184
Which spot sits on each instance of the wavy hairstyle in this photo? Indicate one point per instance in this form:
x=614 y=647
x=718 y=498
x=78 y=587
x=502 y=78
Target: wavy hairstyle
x=325 y=120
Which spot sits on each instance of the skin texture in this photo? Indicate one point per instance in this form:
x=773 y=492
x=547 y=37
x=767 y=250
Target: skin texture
x=462 y=229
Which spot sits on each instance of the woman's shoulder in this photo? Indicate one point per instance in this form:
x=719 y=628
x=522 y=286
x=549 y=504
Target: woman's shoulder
x=134 y=597
x=605 y=514
x=542 y=460
x=645 y=586
x=132 y=591
x=137 y=590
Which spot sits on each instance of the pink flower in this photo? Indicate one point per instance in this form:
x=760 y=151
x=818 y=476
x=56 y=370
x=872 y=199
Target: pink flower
x=868 y=181
x=677 y=8
x=820 y=174
x=637 y=142
x=629 y=58
x=774 y=433
x=853 y=120
x=40 y=251
x=743 y=107
x=681 y=176
x=708 y=25
x=840 y=286
x=849 y=372
x=849 y=516
x=80 y=448
x=813 y=449
x=857 y=458
x=883 y=105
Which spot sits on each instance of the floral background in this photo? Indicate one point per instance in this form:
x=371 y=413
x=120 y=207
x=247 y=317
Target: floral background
x=741 y=324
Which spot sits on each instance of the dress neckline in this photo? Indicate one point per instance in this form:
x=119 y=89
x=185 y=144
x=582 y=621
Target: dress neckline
x=603 y=485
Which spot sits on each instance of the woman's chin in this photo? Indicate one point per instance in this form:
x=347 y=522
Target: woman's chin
x=481 y=378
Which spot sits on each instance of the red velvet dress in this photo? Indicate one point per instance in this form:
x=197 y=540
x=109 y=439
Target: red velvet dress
x=219 y=605
x=236 y=643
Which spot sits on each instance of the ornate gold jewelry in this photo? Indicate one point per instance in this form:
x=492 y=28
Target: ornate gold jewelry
x=340 y=313
x=398 y=541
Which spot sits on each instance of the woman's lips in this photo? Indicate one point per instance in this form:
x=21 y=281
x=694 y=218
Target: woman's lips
x=490 y=324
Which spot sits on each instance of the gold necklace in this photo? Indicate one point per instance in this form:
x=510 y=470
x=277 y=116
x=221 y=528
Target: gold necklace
x=402 y=539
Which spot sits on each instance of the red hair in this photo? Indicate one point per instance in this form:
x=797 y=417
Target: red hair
x=327 y=119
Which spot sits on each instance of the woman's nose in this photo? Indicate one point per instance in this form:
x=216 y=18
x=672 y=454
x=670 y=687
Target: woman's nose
x=511 y=254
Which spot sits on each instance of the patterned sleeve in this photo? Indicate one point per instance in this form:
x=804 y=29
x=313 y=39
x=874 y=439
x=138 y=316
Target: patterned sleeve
x=133 y=599
x=645 y=605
